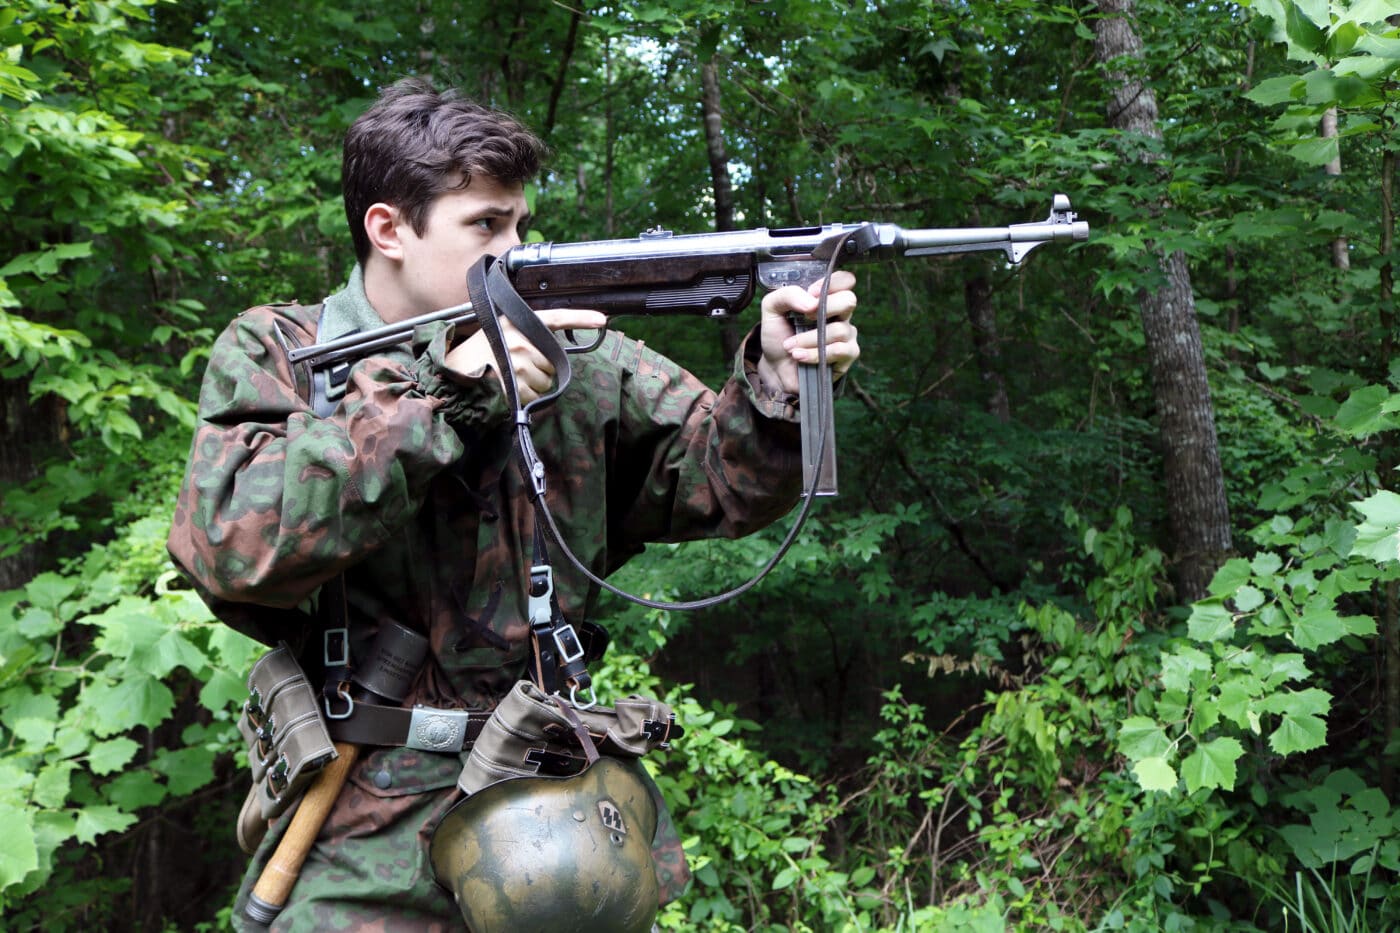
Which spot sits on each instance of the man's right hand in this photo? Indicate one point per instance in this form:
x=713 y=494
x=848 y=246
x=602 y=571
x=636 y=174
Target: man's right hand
x=534 y=375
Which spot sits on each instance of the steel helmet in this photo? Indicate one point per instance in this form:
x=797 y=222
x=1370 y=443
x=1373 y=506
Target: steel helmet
x=553 y=855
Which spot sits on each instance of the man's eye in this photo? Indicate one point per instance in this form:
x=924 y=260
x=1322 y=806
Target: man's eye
x=484 y=223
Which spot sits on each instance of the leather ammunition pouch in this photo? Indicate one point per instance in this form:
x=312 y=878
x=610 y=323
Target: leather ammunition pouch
x=286 y=738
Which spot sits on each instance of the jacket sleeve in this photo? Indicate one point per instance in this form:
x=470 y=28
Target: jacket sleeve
x=692 y=463
x=275 y=500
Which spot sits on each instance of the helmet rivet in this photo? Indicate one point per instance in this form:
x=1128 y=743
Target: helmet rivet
x=579 y=817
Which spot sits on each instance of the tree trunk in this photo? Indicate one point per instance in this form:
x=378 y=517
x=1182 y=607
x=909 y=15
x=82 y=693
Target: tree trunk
x=1195 y=485
x=719 y=179
x=977 y=296
x=714 y=146
x=561 y=74
x=30 y=433
x=1341 y=254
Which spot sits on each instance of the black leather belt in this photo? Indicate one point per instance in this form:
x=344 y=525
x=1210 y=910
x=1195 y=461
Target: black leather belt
x=422 y=727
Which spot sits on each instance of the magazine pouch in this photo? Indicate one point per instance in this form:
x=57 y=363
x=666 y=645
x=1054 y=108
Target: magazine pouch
x=284 y=730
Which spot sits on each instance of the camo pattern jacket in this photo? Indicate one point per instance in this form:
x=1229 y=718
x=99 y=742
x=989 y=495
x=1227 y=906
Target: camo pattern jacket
x=408 y=488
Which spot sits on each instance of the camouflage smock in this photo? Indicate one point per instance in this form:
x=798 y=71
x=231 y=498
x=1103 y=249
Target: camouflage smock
x=409 y=488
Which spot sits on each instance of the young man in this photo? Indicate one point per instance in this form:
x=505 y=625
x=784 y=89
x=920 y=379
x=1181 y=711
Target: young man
x=400 y=498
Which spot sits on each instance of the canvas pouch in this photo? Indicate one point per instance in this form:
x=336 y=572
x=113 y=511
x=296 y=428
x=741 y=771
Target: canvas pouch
x=286 y=736
x=534 y=734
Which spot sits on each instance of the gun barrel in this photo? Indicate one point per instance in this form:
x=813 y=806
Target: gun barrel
x=1016 y=240
x=359 y=343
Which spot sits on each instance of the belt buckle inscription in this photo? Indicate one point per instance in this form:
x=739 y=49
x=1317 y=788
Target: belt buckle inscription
x=436 y=730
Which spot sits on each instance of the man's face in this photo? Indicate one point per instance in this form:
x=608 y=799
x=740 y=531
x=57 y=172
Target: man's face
x=486 y=217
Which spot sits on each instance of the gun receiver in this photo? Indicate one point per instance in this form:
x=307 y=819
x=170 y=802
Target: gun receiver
x=716 y=275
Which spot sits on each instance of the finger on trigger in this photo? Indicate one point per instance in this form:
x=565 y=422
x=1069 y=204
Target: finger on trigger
x=789 y=299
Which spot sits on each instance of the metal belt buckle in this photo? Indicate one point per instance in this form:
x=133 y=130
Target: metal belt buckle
x=570 y=648
x=437 y=730
x=540 y=608
x=335 y=650
x=574 y=700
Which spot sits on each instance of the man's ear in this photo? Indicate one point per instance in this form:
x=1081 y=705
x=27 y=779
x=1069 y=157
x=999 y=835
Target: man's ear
x=382 y=227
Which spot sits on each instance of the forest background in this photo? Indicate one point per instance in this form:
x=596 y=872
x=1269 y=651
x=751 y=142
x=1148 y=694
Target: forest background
x=1102 y=632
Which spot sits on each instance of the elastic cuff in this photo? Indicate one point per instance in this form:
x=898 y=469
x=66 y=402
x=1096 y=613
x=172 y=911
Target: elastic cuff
x=473 y=400
x=778 y=404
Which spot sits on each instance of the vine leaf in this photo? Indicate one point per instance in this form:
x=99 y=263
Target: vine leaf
x=1212 y=764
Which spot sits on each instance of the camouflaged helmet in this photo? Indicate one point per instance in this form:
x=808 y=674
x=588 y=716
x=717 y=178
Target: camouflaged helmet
x=553 y=855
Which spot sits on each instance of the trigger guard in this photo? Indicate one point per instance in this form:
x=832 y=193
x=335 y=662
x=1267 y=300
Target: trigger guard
x=574 y=347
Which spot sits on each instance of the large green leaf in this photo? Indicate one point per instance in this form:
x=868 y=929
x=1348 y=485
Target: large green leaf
x=19 y=855
x=107 y=757
x=1298 y=733
x=1212 y=765
x=97 y=819
x=1155 y=774
x=1318 y=151
x=1211 y=620
x=1367 y=11
x=1378 y=537
x=53 y=783
x=1140 y=737
x=1318 y=624
x=1305 y=23
x=1282 y=89
x=136 y=700
x=185 y=769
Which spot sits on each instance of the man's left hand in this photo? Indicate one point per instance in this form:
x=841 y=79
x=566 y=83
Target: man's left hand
x=784 y=347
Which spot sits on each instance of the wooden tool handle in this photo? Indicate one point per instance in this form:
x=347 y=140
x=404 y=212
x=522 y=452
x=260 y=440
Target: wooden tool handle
x=280 y=874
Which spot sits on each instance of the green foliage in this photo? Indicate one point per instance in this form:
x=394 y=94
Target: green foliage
x=1348 y=821
x=1355 y=52
x=756 y=833
x=1349 y=850
x=91 y=659
x=1242 y=668
x=91 y=186
x=1251 y=684
x=964 y=702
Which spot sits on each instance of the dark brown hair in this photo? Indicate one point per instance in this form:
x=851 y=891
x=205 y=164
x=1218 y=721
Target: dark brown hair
x=417 y=142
